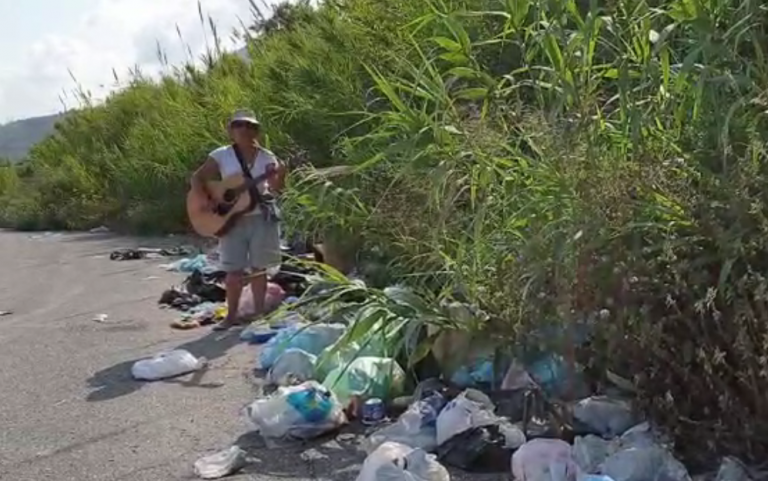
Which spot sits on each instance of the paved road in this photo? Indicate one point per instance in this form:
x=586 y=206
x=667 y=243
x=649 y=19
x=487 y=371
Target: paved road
x=69 y=409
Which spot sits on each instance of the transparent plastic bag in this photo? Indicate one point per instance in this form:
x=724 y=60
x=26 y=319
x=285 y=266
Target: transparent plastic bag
x=313 y=339
x=544 y=460
x=220 y=464
x=292 y=365
x=366 y=377
x=470 y=409
x=644 y=463
x=605 y=416
x=272 y=299
x=166 y=365
x=398 y=462
x=302 y=412
x=414 y=428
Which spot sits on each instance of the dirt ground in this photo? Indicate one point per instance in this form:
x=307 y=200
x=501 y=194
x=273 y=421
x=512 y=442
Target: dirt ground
x=69 y=409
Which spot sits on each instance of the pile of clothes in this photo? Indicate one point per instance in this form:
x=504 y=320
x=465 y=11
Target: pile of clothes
x=202 y=295
x=148 y=253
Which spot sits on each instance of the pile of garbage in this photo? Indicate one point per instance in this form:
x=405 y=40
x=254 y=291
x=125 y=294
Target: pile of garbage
x=538 y=422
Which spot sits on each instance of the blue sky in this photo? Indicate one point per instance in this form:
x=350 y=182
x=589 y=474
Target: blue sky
x=40 y=40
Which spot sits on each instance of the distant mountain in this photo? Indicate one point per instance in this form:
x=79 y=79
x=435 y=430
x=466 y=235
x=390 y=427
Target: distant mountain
x=16 y=138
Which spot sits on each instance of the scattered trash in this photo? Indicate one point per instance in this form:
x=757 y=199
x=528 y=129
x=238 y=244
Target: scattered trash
x=99 y=230
x=517 y=378
x=731 y=469
x=644 y=463
x=471 y=409
x=471 y=437
x=100 y=318
x=416 y=427
x=147 y=253
x=312 y=338
x=302 y=412
x=256 y=334
x=544 y=460
x=5 y=313
x=179 y=299
x=273 y=298
x=206 y=286
x=366 y=377
x=200 y=263
x=221 y=464
x=166 y=365
x=398 y=462
x=373 y=412
x=591 y=451
x=604 y=416
x=478 y=372
x=335 y=356
x=557 y=378
x=294 y=366
x=483 y=449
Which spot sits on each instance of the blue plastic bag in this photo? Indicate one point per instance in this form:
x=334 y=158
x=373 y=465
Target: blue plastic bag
x=312 y=339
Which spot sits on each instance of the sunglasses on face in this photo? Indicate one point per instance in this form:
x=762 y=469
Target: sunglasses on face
x=245 y=125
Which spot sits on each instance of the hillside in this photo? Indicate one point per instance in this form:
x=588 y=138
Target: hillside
x=16 y=138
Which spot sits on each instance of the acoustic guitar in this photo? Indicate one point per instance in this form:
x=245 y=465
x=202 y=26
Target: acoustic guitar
x=231 y=198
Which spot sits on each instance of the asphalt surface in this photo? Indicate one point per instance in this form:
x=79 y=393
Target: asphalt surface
x=69 y=409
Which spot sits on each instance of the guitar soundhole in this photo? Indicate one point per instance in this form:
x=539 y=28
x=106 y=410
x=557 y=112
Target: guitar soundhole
x=229 y=196
x=223 y=209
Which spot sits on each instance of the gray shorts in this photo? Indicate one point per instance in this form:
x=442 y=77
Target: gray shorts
x=254 y=242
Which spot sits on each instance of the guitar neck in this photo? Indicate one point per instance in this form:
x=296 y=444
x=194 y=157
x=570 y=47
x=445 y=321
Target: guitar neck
x=249 y=183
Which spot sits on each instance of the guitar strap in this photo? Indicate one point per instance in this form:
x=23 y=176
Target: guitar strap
x=267 y=202
x=253 y=191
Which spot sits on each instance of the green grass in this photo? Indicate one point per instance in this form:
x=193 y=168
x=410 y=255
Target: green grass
x=546 y=159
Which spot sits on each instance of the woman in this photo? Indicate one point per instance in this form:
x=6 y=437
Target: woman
x=254 y=242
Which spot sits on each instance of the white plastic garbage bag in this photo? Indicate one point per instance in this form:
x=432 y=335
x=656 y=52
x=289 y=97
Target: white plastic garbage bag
x=517 y=378
x=304 y=412
x=643 y=464
x=220 y=464
x=166 y=365
x=294 y=365
x=544 y=460
x=605 y=416
x=591 y=451
x=414 y=428
x=398 y=462
x=731 y=469
x=470 y=409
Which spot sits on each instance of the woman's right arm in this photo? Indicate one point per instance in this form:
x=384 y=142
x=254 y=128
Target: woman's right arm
x=209 y=170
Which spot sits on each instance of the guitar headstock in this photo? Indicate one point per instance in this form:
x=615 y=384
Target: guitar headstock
x=296 y=158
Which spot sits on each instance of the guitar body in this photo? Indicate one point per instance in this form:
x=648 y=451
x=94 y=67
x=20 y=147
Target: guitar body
x=209 y=223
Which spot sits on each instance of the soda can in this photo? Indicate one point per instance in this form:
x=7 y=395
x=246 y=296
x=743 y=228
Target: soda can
x=373 y=411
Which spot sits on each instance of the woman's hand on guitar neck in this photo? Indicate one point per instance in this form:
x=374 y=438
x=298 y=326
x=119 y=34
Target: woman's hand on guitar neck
x=276 y=174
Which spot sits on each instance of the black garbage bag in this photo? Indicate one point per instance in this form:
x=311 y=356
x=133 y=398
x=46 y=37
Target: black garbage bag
x=538 y=416
x=205 y=287
x=478 y=450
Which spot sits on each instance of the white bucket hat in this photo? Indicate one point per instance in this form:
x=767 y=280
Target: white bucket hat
x=246 y=116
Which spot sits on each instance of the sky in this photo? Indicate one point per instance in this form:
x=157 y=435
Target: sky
x=42 y=41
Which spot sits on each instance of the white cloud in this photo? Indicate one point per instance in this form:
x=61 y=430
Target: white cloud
x=119 y=34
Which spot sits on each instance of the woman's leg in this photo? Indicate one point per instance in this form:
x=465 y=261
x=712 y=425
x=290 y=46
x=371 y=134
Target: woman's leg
x=264 y=254
x=233 y=249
